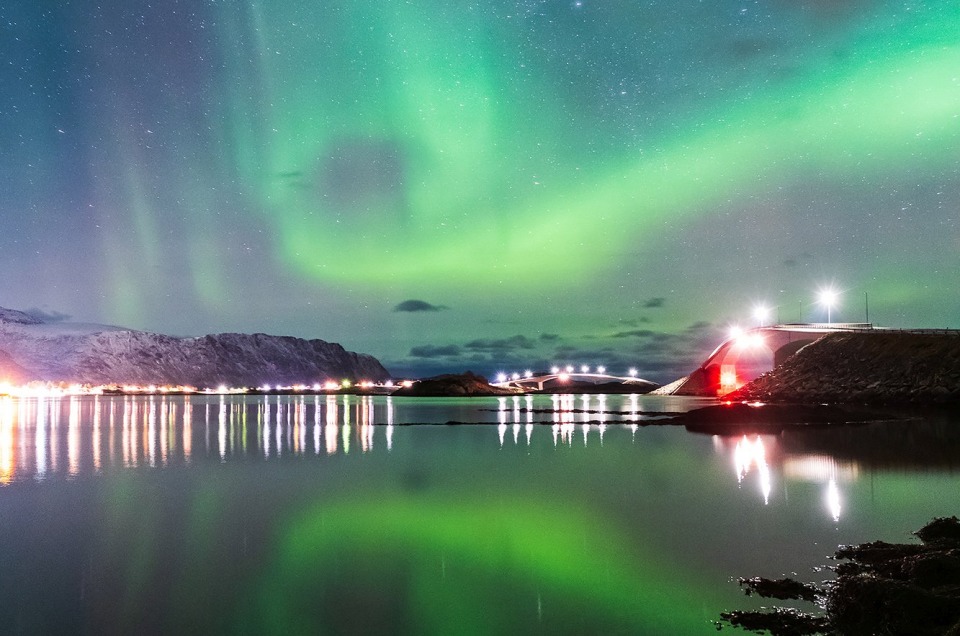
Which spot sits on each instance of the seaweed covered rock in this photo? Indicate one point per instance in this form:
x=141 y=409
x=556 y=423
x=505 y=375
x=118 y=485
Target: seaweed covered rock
x=881 y=588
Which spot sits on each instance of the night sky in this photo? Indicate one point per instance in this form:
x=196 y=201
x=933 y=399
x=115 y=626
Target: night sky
x=488 y=185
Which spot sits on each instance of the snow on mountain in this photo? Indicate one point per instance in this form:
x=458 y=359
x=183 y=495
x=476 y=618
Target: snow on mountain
x=11 y=372
x=17 y=317
x=100 y=354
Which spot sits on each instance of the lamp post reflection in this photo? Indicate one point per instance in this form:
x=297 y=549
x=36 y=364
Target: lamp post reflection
x=753 y=454
x=129 y=431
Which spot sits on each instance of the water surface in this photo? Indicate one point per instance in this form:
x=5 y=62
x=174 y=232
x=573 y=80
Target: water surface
x=344 y=514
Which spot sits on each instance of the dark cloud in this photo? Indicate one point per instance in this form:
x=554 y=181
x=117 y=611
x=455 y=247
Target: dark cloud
x=632 y=322
x=798 y=259
x=654 y=303
x=413 y=306
x=634 y=333
x=549 y=337
x=435 y=351
x=657 y=356
x=500 y=345
x=47 y=316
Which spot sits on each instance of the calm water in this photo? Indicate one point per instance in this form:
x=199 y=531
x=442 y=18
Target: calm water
x=368 y=515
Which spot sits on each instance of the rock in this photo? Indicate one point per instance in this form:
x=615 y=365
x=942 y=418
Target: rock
x=883 y=588
x=454 y=385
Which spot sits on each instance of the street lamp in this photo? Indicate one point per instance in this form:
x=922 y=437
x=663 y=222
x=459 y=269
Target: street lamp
x=828 y=297
x=761 y=313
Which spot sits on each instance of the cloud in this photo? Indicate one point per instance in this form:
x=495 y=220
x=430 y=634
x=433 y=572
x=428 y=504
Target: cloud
x=634 y=333
x=412 y=306
x=654 y=303
x=549 y=337
x=798 y=259
x=435 y=351
x=657 y=356
x=47 y=316
x=501 y=345
x=631 y=322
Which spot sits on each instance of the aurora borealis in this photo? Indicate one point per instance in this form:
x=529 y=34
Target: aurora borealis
x=451 y=185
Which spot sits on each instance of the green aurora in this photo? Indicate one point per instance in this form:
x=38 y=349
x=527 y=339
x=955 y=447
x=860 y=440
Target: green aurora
x=561 y=169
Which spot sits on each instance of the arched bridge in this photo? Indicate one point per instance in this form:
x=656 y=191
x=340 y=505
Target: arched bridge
x=741 y=357
x=540 y=380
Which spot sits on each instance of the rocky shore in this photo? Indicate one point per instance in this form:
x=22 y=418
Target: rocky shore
x=881 y=588
x=875 y=367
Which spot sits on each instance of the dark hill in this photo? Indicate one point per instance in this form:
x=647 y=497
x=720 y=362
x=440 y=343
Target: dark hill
x=453 y=385
x=874 y=367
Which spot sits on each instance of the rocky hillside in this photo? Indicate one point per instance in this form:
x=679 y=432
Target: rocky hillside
x=866 y=367
x=33 y=350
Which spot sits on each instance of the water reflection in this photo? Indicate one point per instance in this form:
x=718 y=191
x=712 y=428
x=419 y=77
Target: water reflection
x=750 y=456
x=158 y=431
x=569 y=413
x=69 y=436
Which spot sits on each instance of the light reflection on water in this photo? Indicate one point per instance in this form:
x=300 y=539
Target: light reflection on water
x=558 y=514
x=42 y=436
x=45 y=437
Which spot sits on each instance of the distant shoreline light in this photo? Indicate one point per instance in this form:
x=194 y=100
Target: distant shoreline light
x=55 y=390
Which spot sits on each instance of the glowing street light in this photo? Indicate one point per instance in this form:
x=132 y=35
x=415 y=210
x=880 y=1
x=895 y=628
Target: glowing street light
x=554 y=370
x=828 y=297
x=601 y=370
x=761 y=313
x=633 y=372
x=584 y=368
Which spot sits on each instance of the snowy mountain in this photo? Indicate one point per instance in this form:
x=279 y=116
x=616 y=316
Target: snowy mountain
x=31 y=349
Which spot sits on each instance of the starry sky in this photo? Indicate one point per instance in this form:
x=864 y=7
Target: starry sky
x=495 y=185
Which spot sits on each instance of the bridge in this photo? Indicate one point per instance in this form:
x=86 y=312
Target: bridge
x=539 y=380
x=744 y=355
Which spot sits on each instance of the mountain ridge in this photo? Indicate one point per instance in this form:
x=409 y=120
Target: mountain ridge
x=34 y=350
